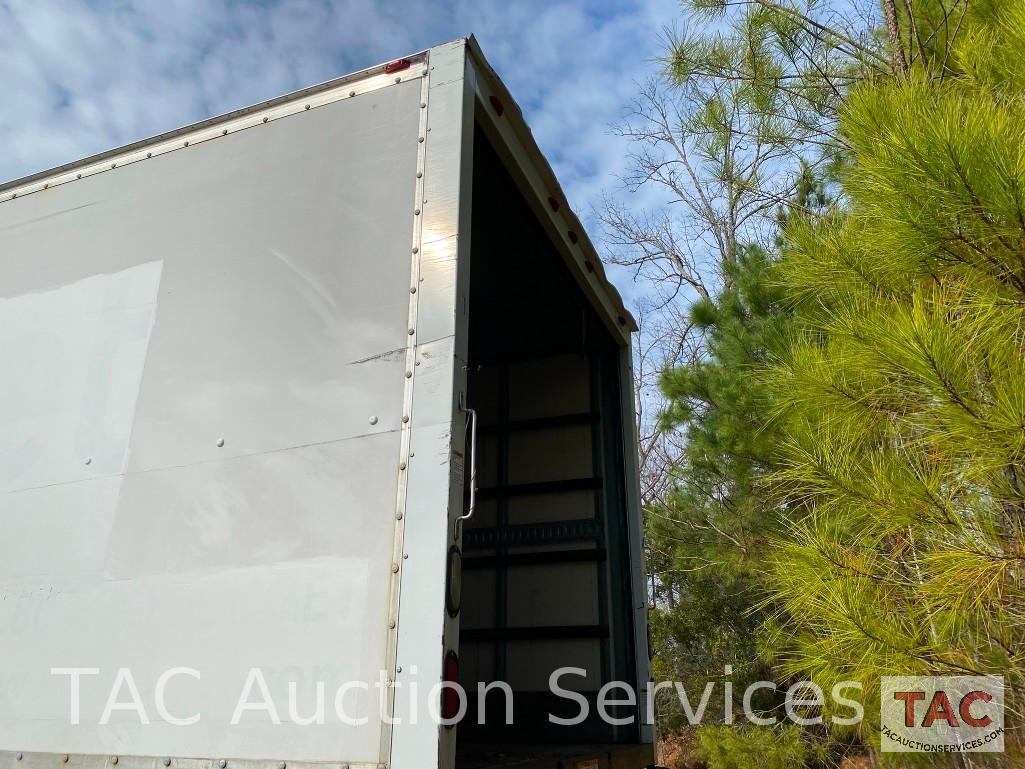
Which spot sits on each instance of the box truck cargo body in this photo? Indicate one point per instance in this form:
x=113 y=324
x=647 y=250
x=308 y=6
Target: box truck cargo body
x=304 y=411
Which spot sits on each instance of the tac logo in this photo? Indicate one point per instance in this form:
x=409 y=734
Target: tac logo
x=942 y=714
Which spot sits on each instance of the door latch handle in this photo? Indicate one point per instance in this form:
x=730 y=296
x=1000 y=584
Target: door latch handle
x=471 y=425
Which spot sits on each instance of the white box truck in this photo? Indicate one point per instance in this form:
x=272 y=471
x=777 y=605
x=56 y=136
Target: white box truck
x=305 y=410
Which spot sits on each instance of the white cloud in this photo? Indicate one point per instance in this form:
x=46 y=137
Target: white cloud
x=80 y=77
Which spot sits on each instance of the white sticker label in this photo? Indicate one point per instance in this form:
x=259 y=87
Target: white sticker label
x=457 y=469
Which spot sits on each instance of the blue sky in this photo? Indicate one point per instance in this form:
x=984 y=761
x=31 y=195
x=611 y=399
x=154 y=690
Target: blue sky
x=80 y=77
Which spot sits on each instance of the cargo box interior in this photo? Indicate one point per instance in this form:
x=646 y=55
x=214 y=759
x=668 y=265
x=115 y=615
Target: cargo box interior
x=545 y=558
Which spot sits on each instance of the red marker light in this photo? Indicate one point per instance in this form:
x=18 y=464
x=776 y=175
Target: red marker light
x=497 y=104
x=553 y=203
x=573 y=237
x=450 y=704
x=397 y=66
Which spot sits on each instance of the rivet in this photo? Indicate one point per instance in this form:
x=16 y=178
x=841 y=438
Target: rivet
x=419 y=174
x=46 y=186
x=222 y=763
x=20 y=756
x=417 y=363
x=114 y=759
x=88 y=460
x=352 y=93
x=113 y=165
x=220 y=442
x=398 y=668
x=409 y=375
x=79 y=176
x=65 y=758
x=307 y=106
x=405 y=418
x=186 y=144
x=394 y=568
x=149 y=154
x=412 y=331
x=412 y=290
x=421 y=140
x=423 y=105
x=391 y=624
x=402 y=465
x=423 y=71
x=224 y=132
x=373 y=420
x=398 y=80
x=416 y=212
x=266 y=119
x=416 y=250
x=14 y=195
x=398 y=516
x=167 y=762
x=282 y=765
x=405 y=556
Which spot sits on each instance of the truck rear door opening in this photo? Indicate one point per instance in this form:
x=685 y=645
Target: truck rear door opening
x=546 y=557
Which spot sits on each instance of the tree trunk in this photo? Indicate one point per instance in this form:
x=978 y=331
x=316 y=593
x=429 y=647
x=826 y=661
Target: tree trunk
x=900 y=64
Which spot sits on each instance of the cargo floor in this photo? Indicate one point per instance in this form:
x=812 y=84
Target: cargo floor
x=554 y=756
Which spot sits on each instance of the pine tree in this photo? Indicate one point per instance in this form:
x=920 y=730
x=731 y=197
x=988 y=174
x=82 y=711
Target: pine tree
x=900 y=405
x=713 y=530
x=843 y=472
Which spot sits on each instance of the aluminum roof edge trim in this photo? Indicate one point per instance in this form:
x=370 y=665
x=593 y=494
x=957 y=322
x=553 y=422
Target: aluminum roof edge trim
x=589 y=264
x=346 y=86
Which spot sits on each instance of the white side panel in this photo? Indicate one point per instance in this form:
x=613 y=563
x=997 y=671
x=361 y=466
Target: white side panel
x=74 y=356
x=201 y=406
x=435 y=491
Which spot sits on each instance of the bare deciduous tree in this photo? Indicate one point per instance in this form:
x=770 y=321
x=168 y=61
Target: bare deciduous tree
x=731 y=136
